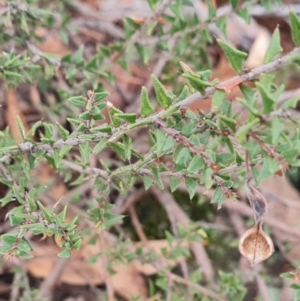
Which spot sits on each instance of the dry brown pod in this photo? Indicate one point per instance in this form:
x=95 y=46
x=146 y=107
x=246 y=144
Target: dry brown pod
x=257 y=200
x=256 y=245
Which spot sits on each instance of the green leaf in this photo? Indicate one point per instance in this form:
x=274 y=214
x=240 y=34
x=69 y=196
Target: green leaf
x=295 y=27
x=163 y=97
x=9 y=238
x=64 y=254
x=174 y=183
x=160 y=142
x=46 y=212
x=248 y=93
x=145 y=53
x=274 y=47
x=234 y=56
x=184 y=93
x=119 y=149
x=148 y=181
x=6 y=182
x=244 y=14
x=233 y=3
x=287 y=275
x=78 y=181
x=231 y=123
x=157 y=176
x=218 y=197
x=63 y=132
x=224 y=159
x=85 y=151
x=77 y=101
x=183 y=157
x=218 y=100
x=196 y=82
x=277 y=128
x=127 y=146
x=169 y=144
x=85 y=116
x=105 y=128
x=64 y=150
x=206 y=179
x=78 y=56
x=244 y=130
x=197 y=164
x=249 y=106
x=99 y=96
x=191 y=185
x=128 y=117
x=146 y=106
x=267 y=99
x=24 y=246
x=21 y=127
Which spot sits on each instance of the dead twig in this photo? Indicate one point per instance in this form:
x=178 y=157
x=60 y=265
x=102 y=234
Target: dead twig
x=137 y=225
x=47 y=286
x=204 y=291
x=174 y=210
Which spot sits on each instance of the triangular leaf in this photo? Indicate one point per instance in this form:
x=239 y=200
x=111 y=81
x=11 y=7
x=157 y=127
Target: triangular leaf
x=295 y=27
x=162 y=95
x=146 y=106
x=234 y=56
x=274 y=47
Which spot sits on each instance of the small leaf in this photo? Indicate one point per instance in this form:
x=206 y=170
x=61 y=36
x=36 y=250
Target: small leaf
x=77 y=101
x=183 y=156
x=233 y=3
x=244 y=130
x=197 y=164
x=191 y=185
x=127 y=117
x=274 y=47
x=85 y=151
x=277 y=128
x=9 y=238
x=146 y=106
x=196 y=82
x=99 y=96
x=63 y=132
x=217 y=100
x=157 y=176
x=127 y=146
x=163 y=97
x=85 y=116
x=119 y=149
x=78 y=56
x=174 y=183
x=148 y=181
x=21 y=127
x=295 y=27
x=160 y=142
x=267 y=99
x=218 y=197
x=231 y=123
x=184 y=93
x=65 y=253
x=234 y=56
x=287 y=275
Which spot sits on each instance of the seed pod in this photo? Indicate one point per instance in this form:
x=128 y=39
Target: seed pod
x=256 y=245
x=257 y=200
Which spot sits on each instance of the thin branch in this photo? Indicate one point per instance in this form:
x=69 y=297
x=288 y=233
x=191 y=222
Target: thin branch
x=137 y=225
x=118 y=132
x=204 y=291
x=47 y=286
